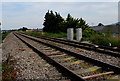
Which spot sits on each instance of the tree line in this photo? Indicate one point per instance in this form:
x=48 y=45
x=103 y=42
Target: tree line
x=55 y=23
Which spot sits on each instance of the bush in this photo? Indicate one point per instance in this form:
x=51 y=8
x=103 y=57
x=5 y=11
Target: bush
x=105 y=40
x=99 y=39
x=88 y=33
x=114 y=41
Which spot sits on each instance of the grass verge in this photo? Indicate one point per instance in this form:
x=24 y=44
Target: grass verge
x=4 y=34
x=95 y=38
x=106 y=40
x=58 y=35
x=9 y=73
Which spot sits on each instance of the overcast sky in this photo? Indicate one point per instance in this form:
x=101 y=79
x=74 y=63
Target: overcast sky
x=31 y=14
x=59 y=0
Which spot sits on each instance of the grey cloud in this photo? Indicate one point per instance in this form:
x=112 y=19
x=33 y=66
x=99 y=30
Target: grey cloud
x=33 y=14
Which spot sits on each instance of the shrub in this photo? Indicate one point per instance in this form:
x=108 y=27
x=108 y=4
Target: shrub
x=105 y=40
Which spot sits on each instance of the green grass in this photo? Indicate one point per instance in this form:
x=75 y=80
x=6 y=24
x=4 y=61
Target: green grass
x=58 y=35
x=8 y=71
x=4 y=34
x=96 y=38
x=105 y=40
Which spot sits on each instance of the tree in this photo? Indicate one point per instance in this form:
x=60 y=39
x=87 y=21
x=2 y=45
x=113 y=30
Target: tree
x=71 y=22
x=100 y=24
x=69 y=18
x=54 y=23
x=59 y=19
x=23 y=29
x=51 y=22
x=82 y=24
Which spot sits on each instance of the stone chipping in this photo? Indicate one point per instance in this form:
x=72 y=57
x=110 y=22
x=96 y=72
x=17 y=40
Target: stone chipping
x=29 y=63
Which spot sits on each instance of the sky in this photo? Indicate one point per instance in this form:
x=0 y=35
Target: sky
x=31 y=14
x=59 y=0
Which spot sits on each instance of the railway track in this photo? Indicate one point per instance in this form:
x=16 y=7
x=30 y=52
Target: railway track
x=34 y=68
x=101 y=49
x=75 y=66
x=107 y=58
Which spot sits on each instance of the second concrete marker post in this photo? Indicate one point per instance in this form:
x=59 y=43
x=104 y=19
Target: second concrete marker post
x=78 y=34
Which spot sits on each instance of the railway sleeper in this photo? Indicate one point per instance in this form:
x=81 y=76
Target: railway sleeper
x=106 y=76
x=63 y=60
x=58 y=56
x=45 y=48
x=73 y=66
x=115 y=77
x=50 y=52
x=89 y=71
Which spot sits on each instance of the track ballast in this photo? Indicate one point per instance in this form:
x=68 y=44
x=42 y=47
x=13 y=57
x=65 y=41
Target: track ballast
x=77 y=66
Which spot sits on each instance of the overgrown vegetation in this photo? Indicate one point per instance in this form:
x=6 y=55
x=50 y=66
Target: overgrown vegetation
x=105 y=40
x=58 y=35
x=4 y=34
x=8 y=71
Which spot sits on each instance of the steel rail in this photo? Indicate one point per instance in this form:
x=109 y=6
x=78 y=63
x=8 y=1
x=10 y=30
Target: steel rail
x=78 y=44
x=91 y=45
x=79 y=56
x=60 y=67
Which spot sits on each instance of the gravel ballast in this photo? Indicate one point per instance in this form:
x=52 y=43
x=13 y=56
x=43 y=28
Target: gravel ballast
x=95 y=55
x=29 y=63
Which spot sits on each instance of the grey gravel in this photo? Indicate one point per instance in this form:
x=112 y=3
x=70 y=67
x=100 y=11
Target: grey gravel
x=71 y=66
x=30 y=64
x=98 y=56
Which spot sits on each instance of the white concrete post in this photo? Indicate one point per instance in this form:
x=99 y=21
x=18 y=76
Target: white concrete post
x=79 y=34
x=70 y=33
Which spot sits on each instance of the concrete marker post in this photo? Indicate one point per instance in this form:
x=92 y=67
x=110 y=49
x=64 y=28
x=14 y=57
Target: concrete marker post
x=79 y=34
x=70 y=34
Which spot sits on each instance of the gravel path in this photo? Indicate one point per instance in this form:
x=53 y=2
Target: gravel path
x=30 y=65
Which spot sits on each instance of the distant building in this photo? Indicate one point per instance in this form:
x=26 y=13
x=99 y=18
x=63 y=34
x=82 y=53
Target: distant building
x=37 y=30
x=29 y=30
